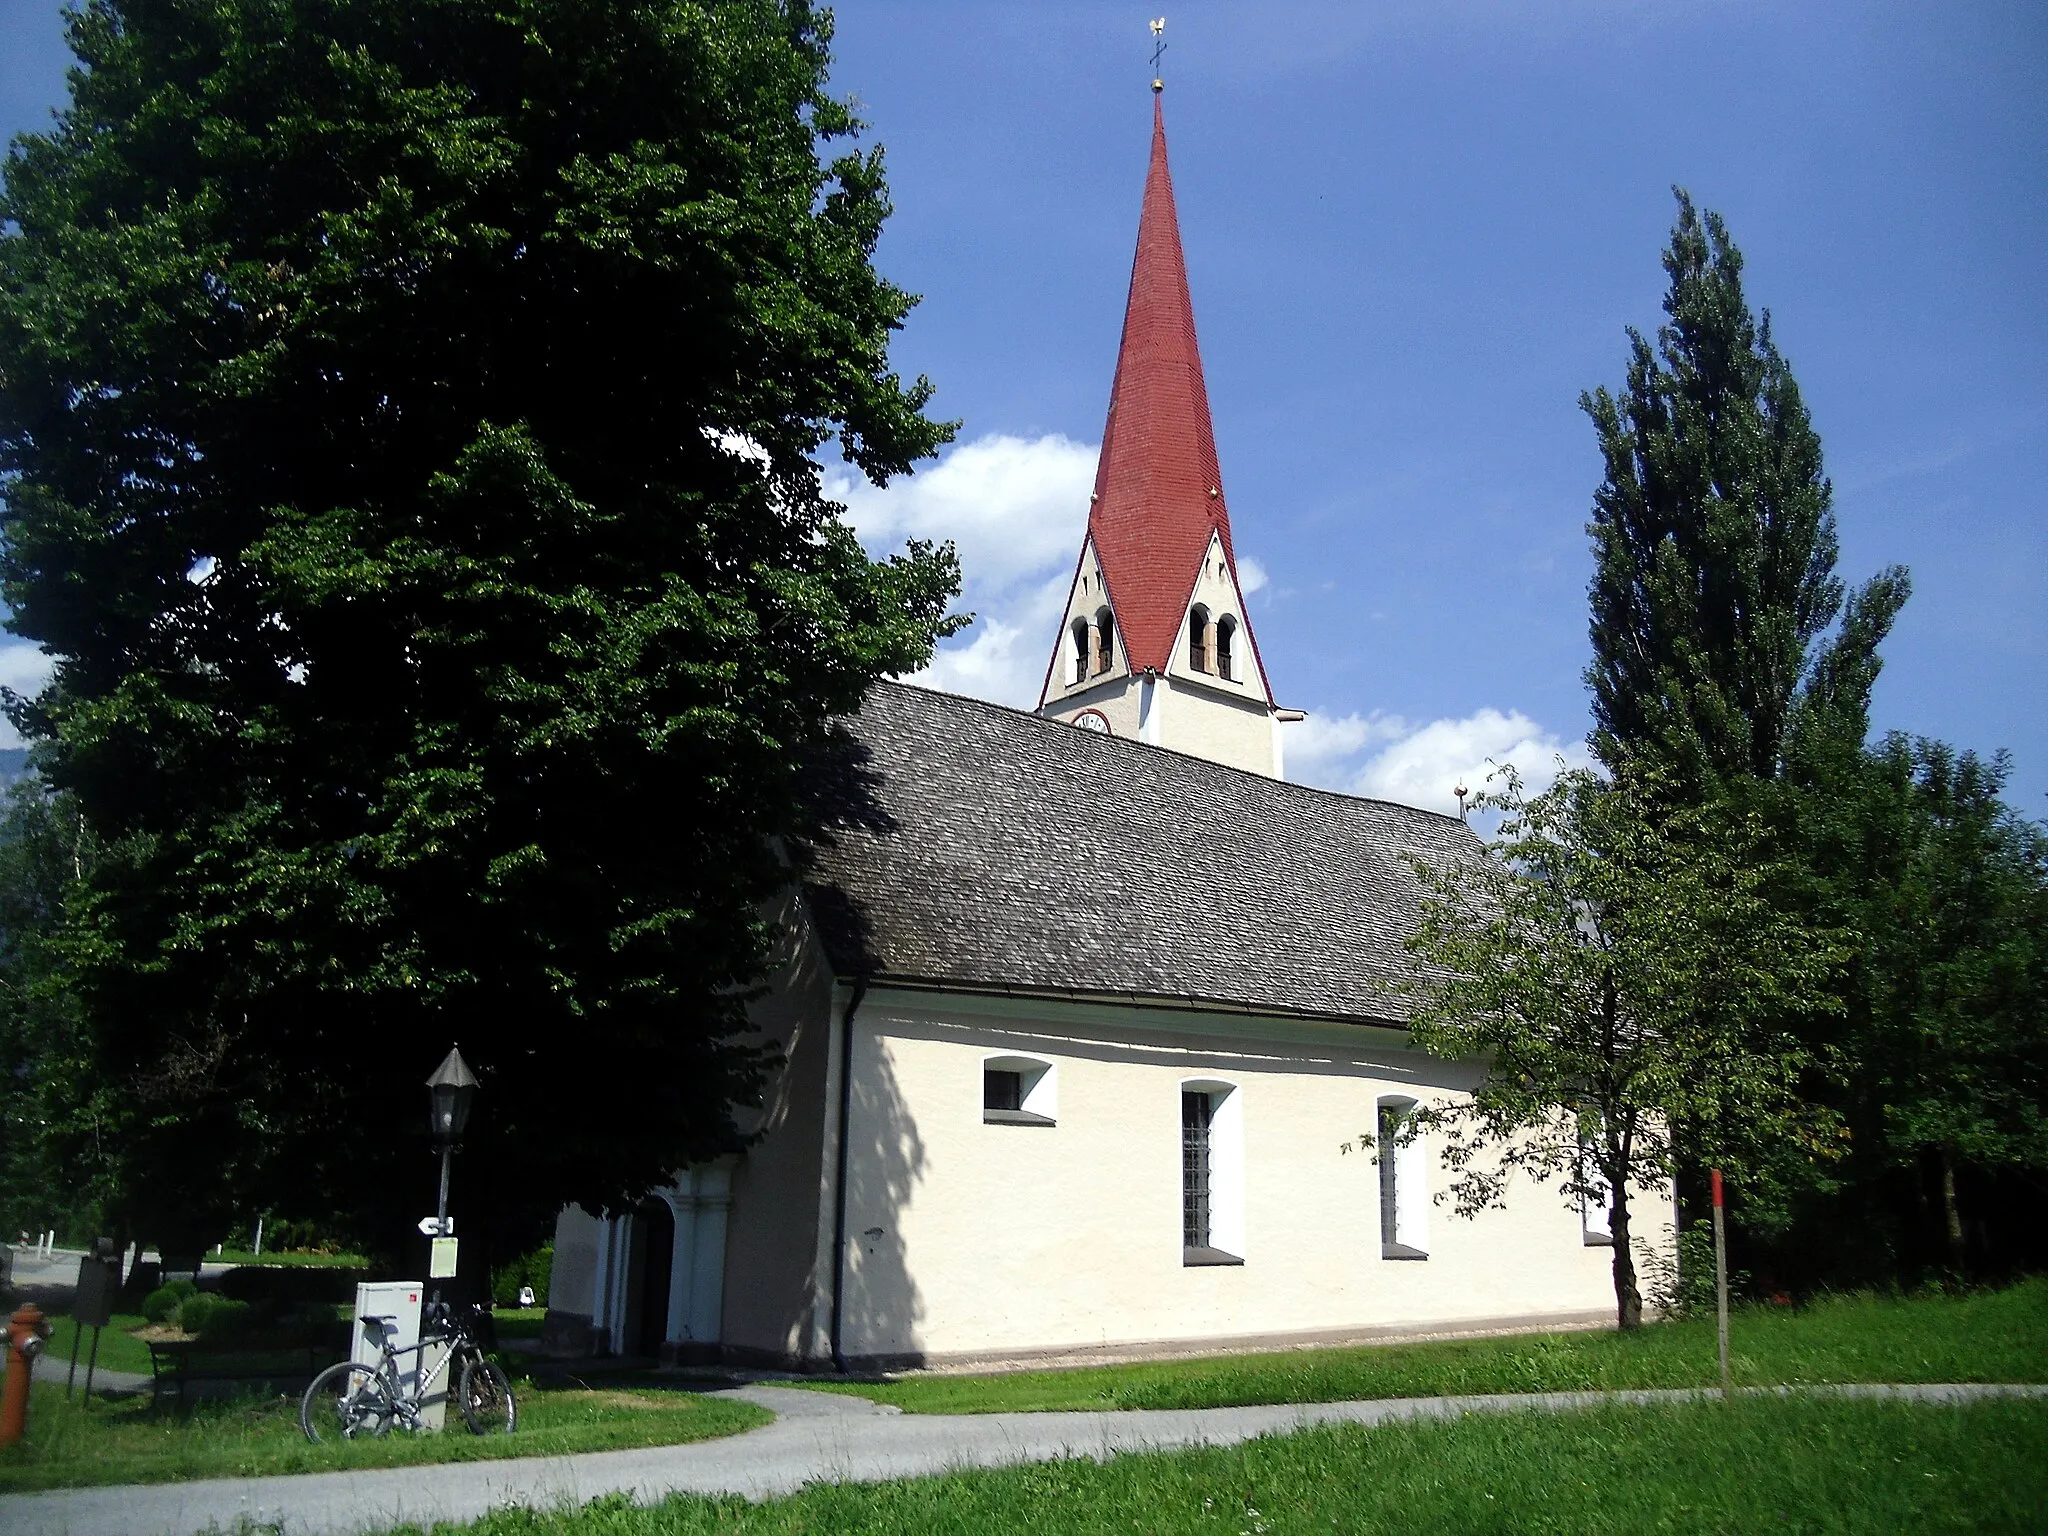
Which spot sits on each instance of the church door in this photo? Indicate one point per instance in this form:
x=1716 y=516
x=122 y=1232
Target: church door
x=647 y=1323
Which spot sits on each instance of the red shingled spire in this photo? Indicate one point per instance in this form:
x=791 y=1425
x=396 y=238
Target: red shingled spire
x=1158 y=492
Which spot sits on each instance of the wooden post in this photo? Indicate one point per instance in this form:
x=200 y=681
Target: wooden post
x=1721 y=1286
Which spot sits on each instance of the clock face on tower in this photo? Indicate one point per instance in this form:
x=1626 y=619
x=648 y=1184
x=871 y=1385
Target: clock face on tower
x=1094 y=720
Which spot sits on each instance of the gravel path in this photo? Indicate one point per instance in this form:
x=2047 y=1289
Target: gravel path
x=817 y=1437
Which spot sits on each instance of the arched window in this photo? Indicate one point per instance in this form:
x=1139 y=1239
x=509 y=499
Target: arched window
x=1226 y=648
x=1105 y=635
x=1404 y=1182
x=1080 y=650
x=1199 y=640
x=1211 y=1174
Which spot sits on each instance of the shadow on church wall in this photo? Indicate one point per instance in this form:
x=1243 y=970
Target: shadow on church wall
x=886 y=1161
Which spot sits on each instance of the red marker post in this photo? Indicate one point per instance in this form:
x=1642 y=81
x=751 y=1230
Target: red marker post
x=1721 y=1285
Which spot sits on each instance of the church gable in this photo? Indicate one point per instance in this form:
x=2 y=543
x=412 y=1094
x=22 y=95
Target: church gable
x=1215 y=648
x=1089 y=650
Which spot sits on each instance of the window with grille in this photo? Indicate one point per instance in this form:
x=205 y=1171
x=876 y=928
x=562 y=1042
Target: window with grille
x=1211 y=1173
x=1390 y=1182
x=1196 y=1110
x=1403 y=1184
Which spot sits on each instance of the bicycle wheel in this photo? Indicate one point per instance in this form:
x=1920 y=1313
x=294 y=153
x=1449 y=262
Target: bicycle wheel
x=346 y=1402
x=486 y=1394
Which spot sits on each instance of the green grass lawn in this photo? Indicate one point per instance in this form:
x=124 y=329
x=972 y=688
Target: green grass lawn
x=120 y=1350
x=71 y=1444
x=1772 y=1465
x=1980 y=1336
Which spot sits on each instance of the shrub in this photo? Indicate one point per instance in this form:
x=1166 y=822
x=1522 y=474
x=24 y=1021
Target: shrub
x=197 y=1310
x=534 y=1269
x=160 y=1303
x=257 y=1282
x=225 y=1322
x=1686 y=1288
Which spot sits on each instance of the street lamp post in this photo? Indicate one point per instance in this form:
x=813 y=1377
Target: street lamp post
x=450 y=1092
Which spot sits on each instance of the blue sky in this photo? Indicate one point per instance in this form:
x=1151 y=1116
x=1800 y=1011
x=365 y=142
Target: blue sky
x=1414 y=233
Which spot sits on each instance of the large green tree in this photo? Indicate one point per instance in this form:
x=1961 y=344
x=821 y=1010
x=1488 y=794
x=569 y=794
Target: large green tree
x=1730 y=664
x=1622 y=976
x=1944 y=1043
x=1714 y=545
x=410 y=415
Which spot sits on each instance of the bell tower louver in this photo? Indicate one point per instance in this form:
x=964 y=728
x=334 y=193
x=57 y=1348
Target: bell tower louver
x=1156 y=642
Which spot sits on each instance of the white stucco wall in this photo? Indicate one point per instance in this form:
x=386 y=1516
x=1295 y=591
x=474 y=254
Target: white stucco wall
x=969 y=1239
x=1197 y=717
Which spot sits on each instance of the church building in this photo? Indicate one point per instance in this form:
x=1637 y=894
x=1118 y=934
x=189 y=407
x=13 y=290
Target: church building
x=1084 y=1011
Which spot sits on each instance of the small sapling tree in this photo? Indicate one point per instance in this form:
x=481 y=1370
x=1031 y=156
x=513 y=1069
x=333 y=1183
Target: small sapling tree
x=1622 y=975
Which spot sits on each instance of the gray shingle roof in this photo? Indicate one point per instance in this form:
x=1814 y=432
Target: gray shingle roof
x=978 y=846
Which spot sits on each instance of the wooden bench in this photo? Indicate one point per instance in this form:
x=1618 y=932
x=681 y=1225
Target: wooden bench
x=174 y=1364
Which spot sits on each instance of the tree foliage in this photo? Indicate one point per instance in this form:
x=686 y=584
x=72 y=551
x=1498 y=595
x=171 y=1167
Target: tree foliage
x=1730 y=667
x=1714 y=545
x=1622 y=973
x=410 y=412
x=1941 y=1057
x=44 y=850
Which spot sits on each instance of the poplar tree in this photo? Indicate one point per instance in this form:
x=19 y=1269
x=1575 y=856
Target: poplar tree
x=410 y=415
x=1714 y=586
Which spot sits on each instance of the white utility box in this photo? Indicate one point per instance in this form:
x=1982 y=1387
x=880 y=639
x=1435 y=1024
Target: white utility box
x=399 y=1301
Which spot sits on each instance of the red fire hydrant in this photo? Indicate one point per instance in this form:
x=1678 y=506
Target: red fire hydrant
x=26 y=1332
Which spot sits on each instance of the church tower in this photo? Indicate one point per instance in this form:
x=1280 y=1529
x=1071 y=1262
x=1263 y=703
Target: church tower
x=1156 y=643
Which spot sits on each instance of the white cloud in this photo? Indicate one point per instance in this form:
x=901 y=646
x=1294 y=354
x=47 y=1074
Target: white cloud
x=25 y=669
x=1005 y=654
x=1016 y=509
x=1420 y=764
x=1320 y=749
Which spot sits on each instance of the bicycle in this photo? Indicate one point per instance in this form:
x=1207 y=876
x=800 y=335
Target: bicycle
x=356 y=1401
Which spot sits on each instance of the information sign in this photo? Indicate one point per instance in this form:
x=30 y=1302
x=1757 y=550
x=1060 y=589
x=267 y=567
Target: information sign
x=441 y=1263
x=98 y=1280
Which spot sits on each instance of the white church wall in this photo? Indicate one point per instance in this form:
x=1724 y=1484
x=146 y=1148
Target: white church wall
x=1198 y=718
x=1114 y=698
x=772 y=1282
x=977 y=1240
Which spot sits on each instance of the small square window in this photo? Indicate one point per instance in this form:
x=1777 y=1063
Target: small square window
x=1016 y=1090
x=1002 y=1090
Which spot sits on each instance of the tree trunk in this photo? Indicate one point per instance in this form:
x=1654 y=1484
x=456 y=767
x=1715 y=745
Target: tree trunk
x=1951 y=1213
x=1628 y=1301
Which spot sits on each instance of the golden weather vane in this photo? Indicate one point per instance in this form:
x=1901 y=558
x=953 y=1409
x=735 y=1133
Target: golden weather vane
x=1158 y=47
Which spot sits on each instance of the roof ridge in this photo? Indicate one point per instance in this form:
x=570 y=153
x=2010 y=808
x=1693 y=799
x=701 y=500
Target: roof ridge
x=1122 y=742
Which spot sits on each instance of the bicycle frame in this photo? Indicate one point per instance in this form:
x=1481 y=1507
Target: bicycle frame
x=407 y=1405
